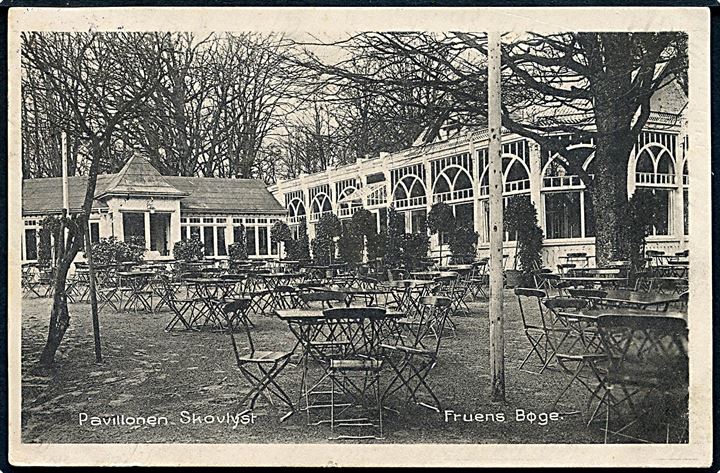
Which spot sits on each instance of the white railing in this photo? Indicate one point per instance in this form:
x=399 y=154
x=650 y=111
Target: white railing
x=654 y=178
x=348 y=211
x=296 y=219
x=411 y=202
x=462 y=194
x=315 y=216
x=517 y=186
x=377 y=197
x=562 y=181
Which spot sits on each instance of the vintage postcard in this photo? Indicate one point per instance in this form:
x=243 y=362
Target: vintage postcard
x=359 y=237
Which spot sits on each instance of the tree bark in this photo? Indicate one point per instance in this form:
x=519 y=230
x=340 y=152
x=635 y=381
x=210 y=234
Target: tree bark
x=609 y=191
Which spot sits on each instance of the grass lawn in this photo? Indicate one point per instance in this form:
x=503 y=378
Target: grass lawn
x=147 y=371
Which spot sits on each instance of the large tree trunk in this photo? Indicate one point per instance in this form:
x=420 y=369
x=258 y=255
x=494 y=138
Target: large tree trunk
x=609 y=190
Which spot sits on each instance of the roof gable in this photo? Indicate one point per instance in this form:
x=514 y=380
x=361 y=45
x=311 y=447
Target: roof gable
x=138 y=176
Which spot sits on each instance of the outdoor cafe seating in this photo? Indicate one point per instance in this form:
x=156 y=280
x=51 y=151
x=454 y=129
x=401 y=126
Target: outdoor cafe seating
x=367 y=348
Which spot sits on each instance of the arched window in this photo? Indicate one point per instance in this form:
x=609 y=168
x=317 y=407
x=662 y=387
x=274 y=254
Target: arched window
x=347 y=208
x=296 y=210
x=409 y=192
x=516 y=175
x=321 y=204
x=654 y=166
x=452 y=184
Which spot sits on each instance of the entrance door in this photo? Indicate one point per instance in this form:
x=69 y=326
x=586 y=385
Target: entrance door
x=133 y=225
x=160 y=233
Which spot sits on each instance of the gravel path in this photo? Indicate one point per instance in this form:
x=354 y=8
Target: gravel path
x=147 y=372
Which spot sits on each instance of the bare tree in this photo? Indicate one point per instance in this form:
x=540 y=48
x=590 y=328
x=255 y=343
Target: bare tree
x=605 y=80
x=100 y=79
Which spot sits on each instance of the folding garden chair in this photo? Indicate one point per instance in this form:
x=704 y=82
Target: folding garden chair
x=40 y=283
x=543 y=336
x=323 y=341
x=416 y=352
x=259 y=368
x=579 y=347
x=180 y=308
x=646 y=382
x=108 y=293
x=592 y=296
x=323 y=299
x=478 y=280
x=285 y=297
x=356 y=394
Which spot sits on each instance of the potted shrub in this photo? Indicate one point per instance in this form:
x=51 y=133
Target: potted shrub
x=112 y=251
x=441 y=221
x=188 y=251
x=327 y=230
x=521 y=219
x=281 y=234
x=395 y=232
x=303 y=242
x=463 y=243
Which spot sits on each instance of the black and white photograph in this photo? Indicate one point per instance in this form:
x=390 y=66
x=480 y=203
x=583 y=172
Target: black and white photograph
x=328 y=235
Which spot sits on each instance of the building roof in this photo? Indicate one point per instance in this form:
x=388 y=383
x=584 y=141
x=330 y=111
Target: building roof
x=45 y=196
x=213 y=194
x=138 y=177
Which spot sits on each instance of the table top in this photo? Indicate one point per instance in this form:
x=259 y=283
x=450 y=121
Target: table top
x=299 y=314
x=314 y=314
x=425 y=273
x=355 y=290
x=412 y=282
x=233 y=277
x=207 y=281
x=456 y=267
x=135 y=273
x=635 y=297
x=279 y=275
x=593 y=314
x=592 y=279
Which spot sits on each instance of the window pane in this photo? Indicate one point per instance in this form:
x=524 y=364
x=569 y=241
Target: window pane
x=418 y=221
x=507 y=236
x=251 y=241
x=133 y=225
x=195 y=232
x=95 y=232
x=263 y=240
x=562 y=214
x=383 y=220
x=464 y=215
x=208 y=233
x=589 y=216
x=30 y=244
x=222 y=249
x=662 y=197
x=237 y=233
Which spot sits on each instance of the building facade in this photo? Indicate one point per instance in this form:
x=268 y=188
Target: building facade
x=139 y=202
x=455 y=171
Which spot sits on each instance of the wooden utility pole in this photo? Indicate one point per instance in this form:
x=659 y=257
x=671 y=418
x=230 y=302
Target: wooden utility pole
x=497 y=339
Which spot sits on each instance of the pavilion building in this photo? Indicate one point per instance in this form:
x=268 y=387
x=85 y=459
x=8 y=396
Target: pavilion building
x=139 y=202
x=454 y=170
